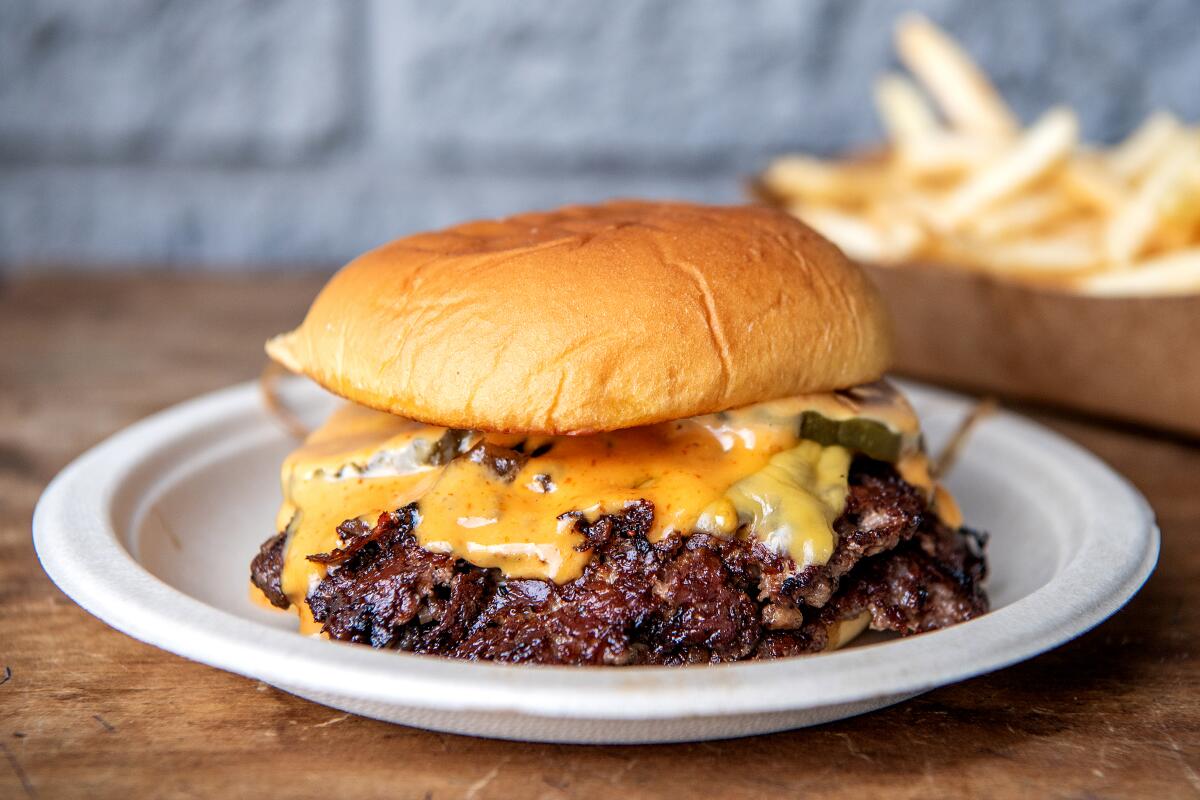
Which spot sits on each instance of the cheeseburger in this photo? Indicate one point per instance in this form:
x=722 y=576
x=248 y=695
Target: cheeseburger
x=632 y=433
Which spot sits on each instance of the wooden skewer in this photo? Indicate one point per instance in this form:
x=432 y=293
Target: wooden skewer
x=268 y=382
x=946 y=459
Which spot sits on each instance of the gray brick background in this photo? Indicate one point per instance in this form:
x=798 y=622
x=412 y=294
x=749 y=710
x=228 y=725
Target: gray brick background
x=234 y=134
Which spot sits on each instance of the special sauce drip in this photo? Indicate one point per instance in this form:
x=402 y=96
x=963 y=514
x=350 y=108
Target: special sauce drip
x=743 y=469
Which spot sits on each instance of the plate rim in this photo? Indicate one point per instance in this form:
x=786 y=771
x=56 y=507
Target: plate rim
x=89 y=563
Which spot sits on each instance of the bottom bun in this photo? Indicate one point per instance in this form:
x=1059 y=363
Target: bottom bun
x=845 y=631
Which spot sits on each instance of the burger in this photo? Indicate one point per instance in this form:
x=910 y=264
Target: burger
x=629 y=433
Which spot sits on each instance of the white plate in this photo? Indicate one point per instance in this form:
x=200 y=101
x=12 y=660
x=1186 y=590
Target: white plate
x=153 y=530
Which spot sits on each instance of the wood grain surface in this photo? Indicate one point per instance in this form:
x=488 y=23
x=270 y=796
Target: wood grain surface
x=88 y=712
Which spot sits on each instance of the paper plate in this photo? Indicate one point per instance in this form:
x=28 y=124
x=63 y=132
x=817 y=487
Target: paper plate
x=153 y=530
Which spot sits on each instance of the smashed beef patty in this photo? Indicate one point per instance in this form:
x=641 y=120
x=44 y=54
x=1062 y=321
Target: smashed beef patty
x=682 y=600
x=266 y=570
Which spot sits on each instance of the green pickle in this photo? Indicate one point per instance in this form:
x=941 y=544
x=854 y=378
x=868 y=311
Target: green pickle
x=866 y=436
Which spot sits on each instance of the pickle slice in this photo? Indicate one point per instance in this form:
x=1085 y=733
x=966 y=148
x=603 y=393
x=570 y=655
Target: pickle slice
x=866 y=436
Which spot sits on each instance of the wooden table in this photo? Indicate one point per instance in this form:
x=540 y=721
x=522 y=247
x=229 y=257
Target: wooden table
x=86 y=711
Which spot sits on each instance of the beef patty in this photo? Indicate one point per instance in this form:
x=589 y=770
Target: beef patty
x=681 y=600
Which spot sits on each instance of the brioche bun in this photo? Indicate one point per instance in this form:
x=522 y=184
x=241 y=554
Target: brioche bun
x=592 y=318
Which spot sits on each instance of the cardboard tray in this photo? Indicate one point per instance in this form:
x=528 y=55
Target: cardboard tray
x=1133 y=359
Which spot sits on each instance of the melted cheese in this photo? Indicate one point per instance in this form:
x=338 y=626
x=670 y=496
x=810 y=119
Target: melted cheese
x=526 y=527
x=359 y=464
x=792 y=501
x=741 y=470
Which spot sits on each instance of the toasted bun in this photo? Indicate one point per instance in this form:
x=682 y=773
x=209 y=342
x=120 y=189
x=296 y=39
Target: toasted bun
x=592 y=318
x=843 y=632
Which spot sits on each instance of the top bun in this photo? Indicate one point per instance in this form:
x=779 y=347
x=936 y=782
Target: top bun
x=592 y=318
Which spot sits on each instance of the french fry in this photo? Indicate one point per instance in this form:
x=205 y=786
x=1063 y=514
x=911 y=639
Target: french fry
x=978 y=192
x=905 y=115
x=1089 y=181
x=965 y=95
x=1060 y=255
x=1177 y=273
x=857 y=238
x=1040 y=149
x=1021 y=215
x=1130 y=230
x=812 y=179
x=913 y=202
x=1179 y=225
x=1134 y=156
x=944 y=153
x=903 y=236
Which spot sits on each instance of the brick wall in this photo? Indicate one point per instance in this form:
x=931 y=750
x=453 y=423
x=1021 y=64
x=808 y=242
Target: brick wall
x=230 y=133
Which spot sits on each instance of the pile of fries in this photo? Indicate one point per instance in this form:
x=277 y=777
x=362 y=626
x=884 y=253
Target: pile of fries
x=971 y=188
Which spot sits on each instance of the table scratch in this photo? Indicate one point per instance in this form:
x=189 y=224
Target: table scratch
x=853 y=748
x=481 y=784
x=19 y=771
x=333 y=721
x=616 y=775
x=1177 y=752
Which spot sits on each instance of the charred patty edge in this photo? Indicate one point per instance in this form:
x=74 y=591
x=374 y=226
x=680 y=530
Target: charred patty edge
x=685 y=599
